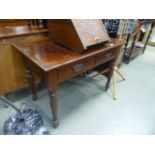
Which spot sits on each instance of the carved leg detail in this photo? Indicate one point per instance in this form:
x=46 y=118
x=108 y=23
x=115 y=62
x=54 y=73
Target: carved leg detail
x=31 y=84
x=54 y=107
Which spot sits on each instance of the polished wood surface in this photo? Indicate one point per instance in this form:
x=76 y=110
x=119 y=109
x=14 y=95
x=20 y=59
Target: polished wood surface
x=12 y=22
x=77 y=34
x=12 y=75
x=18 y=31
x=49 y=55
x=91 y=31
x=56 y=64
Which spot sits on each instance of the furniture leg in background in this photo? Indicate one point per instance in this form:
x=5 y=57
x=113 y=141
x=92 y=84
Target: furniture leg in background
x=131 y=49
x=152 y=26
x=125 y=48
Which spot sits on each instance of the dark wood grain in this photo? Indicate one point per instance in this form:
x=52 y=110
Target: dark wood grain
x=49 y=56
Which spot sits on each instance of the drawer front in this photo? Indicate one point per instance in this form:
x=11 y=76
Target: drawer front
x=74 y=69
x=104 y=57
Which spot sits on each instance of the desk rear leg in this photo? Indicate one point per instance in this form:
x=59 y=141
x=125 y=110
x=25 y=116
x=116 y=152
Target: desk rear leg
x=31 y=82
x=111 y=70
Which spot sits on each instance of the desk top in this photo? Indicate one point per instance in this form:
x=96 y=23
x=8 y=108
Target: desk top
x=48 y=55
x=18 y=31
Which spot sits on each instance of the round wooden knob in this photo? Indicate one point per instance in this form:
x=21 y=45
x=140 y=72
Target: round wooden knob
x=97 y=39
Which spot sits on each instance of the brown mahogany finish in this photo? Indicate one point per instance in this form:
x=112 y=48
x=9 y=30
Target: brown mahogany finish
x=18 y=31
x=56 y=64
x=77 y=34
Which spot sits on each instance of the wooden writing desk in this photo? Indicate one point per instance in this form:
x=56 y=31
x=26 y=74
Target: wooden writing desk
x=56 y=64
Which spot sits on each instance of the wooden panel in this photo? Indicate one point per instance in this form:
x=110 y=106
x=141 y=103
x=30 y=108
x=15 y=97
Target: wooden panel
x=71 y=70
x=11 y=70
x=63 y=32
x=12 y=75
x=91 y=31
x=77 y=34
x=18 y=31
x=12 y=22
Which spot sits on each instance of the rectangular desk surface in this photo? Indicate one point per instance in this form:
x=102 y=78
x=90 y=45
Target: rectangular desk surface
x=48 y=55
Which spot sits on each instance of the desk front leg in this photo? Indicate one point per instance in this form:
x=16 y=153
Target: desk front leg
x=52 y=88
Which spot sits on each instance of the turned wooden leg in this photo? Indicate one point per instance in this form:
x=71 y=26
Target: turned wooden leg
x=54 y=108
x=52 y=87
x=31 y=84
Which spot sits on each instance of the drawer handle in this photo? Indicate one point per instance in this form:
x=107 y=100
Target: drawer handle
x=107 y=55
x=78 y=68
x=97 y=39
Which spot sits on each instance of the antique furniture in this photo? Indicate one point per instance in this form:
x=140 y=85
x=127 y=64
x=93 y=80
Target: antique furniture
x=55 y=64
x=144 y=22
x=78 y=34
x=37 y=23
x=11 y=65
x=133 y=51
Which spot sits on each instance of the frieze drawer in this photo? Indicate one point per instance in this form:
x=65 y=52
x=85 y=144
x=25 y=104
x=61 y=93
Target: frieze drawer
x=74 y=69
x=104 y=57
